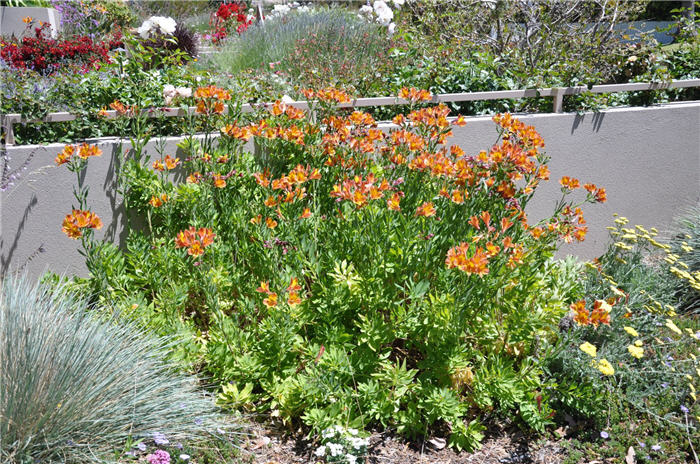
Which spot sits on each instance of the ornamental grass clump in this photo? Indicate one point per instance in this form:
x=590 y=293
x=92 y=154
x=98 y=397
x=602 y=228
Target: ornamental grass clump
x=76 y=386
x=333 y=35
x=348 y=274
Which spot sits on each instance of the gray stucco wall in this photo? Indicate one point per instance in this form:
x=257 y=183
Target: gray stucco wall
x=648 y=159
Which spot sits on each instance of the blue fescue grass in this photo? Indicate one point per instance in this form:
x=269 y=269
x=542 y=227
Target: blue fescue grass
x=74 y=386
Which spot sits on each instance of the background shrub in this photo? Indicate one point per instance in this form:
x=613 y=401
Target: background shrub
x=324 y=44
x=75 y=385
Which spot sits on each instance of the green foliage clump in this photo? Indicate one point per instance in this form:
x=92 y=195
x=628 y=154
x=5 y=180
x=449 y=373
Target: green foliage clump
x=76 y=386
x=339 y=275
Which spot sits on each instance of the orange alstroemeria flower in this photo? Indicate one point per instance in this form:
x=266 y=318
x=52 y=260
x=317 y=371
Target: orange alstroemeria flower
x=570 y=183
x=65 y=155
x=271 y=300
x=306 y=214
x=293 y=299
x=195 y=240
x=270 y=223
x=294 y=285
x=263 y=288
x=427 y=209
x=76 y=221
x=158 y=201
x=218 y=180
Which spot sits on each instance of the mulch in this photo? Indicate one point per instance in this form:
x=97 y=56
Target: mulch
x=269 y=444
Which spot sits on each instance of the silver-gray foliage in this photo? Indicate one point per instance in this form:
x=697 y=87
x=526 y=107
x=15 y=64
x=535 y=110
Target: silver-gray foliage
x=75 y=386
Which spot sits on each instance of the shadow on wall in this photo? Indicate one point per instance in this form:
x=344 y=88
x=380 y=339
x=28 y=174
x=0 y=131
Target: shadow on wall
x=596 y=121
x=6 y=258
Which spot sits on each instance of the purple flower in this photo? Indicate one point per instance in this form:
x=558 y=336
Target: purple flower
x=141 y=446
x=684 y=410
x=178 y=445
x=656 y=447
x=184 y=457
x=664 y=385
x=198 y=421
x=159 y=457
x=641 y=444
x=604 y=435
x=160 y=439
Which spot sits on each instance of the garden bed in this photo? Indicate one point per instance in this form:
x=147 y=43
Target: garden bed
x=304 y=281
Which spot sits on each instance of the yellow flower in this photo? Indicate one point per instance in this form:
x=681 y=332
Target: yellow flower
x=617 y=291
x=635 y=351
x=589 y=349
x=604 y=367
x=672 y=326
x=638 y=343
x=604 y=305
x=631 y=331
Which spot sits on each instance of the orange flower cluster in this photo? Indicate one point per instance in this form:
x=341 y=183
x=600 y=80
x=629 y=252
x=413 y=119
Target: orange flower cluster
x=271 y=298
x=415 y=95
x=291 y=112
x=459 y=257
x=427 y=209
x=570 y=225
x=599 y=315
x=597 y=192
x=210 y=99
x=291 y=185
x=347 y=141
x=360 y=191
x=168 y=163
x=570 y=183
x=195 y=240
x=262 y=129
x=83 y=152
x=123 y=109
x=158 y=201
x=513 y=127
x=329 y=94
x=74 y=223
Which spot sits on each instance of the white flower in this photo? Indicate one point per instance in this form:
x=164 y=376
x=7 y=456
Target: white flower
x=366 y=10
x=352 y=431
x=351 y=458
x=328 y=433
x=184 y=457
x=155 y=24
x=287 y=99
x=391 y=29
x=281 y=9
x=399 y=2
x=184 y=92
x=145 y=29
x=336 y=449
x=321 y=451
x=357 y=442
x=166 y=25
x=169 y=90
x=384 y=13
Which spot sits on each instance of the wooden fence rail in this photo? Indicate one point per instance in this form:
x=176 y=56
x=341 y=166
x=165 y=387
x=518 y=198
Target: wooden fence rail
x=557 y=93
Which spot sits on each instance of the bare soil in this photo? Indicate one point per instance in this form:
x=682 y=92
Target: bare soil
x=268 y=444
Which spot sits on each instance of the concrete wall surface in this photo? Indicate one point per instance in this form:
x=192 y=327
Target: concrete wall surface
x=11 y=19
x=648 y=159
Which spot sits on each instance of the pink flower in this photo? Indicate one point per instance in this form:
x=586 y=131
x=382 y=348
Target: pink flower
x=159 y=457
